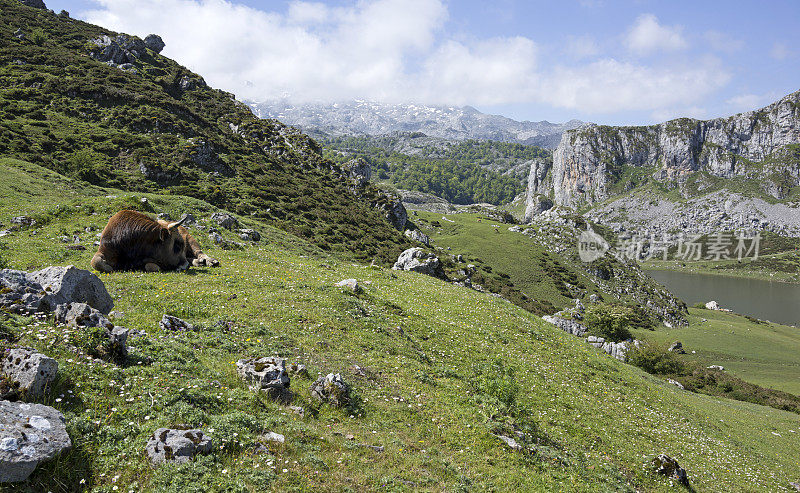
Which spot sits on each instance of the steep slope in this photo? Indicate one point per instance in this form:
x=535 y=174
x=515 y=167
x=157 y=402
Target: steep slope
x=592 y=163
x=110 y=110
x=437 y=373
x=447 y=122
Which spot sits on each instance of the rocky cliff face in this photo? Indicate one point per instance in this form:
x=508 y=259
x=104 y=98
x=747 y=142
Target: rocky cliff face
x=590 y=161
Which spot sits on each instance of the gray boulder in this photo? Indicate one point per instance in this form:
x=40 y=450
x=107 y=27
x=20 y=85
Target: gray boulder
x=266 y=374
x=249 y=235
x=115 y=338
x=395 y=213
x=351 y=284
x=225 y=220
x=331 y=389
x=676 y=347
x=34 y=372
x=712 y=305
x=216 y=238
x=415 y=260
x=117 y=51
x=70 y=284
x=669 y=467
x=178 y=446
x=417 y=235
x=154 y=42
x=567 y=325
x=29 y=434
x=359 y=171
x=191 y=83
x=172 y=324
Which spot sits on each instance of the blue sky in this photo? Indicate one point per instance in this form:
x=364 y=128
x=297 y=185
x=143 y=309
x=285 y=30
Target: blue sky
x=625 y=62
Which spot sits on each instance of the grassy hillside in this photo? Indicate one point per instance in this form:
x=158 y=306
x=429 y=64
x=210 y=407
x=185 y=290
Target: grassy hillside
x=159 y=127
x=761 y=353
x=443 y=370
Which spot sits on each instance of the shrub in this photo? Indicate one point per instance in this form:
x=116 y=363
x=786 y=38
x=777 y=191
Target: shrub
x=498 y=382
x=655 y=360
x=610 y=322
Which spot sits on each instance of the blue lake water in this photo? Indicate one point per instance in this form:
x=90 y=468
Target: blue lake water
x=774 y=301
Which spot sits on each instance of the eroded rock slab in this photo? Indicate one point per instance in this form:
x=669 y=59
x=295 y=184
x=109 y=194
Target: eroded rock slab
x=331 y=389
x=266 y=374
x=33 y=371
x=179 y=446
x=29 y=434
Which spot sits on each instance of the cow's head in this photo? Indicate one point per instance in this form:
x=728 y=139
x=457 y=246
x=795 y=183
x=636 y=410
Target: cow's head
x=170 y=252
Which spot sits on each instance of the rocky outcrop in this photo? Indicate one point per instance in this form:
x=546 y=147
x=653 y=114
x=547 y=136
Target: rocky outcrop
x=154 y=42
x=29 y=434
x=394 y=211
x=417 y=235
x=331 y=389
x=589 y=160
x=669 y=467
x=567 y=325
x=43 y=290
x=111 y=344
x=415 y=260
x=33 y=372
x=266 y=374
x=119 y=50
x=176 y=446
x=225 y=220
x=171 y=323
x=37 y=4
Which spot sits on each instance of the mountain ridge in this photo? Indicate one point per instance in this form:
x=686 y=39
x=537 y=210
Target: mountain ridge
x=442 y=121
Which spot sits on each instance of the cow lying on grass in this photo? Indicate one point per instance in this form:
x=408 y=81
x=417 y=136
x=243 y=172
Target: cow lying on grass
x=134 y=241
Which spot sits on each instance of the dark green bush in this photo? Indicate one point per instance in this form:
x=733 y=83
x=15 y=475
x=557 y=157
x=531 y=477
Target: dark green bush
x=610 y=322
x=655 y=360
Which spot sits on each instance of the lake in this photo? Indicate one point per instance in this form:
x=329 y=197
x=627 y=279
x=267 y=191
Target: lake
x=774 y=301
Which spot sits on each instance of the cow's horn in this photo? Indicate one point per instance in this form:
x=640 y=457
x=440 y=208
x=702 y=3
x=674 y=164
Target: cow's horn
x=178 y=223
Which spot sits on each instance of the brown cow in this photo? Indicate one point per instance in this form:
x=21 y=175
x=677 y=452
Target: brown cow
x=134 y=241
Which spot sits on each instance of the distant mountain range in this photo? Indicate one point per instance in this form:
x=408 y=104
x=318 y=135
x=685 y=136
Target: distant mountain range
x=447 y=122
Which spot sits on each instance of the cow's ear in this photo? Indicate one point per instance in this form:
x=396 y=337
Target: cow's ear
x=164 y=234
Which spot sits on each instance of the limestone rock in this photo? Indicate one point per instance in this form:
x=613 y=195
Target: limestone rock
x=417 y=235
x=351 y=284
x=29 y=434
x=179 y=446
x=70 y=284
x=512 y=444
x=676 y=347
x=669 y=467
x=33 y=371
x=225 y=220
x=249 y=235
x=676 y=383
x=716 y=367
x=170 y=323
x=274 y=437
x=298 y=370
x=712 y=305
x=331 y=389
x=567 y=325
x=266 y=374
x=359 y=171
x=395 y=212
x=82 y=315
x=154 y=42
x=119 y=50
x=414 y=259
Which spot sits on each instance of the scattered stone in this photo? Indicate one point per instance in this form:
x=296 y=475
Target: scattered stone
x=676 y=383
x=191 y=83
x=23 y=221
x=669 y=467
x=350 y=284
x=414 y=259
x=179 y=446
x=512 y=444
x=417 y=235
x=712 y=305
x=716 y=367
x=567 y=325
x=225 y=220
x=297 y=410
x=274 y=437
x=331 y=389
x=249 y=235
x=376 y=448
x=298 y=370
x=70 y=284
x=266 y=374
x=515 y=229
x=596 y=341
x=115 y=338
x=32 y=371
x=29 y=434
x=154 y=42
x=170 y=323
x=676 y=347
x=216 y=238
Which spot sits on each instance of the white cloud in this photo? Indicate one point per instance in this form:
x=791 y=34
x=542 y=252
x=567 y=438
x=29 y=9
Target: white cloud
x=667 y=114
x=648 y=36
x=749 y=102
x=579 y=47
x=781 y=51
x=399 y=51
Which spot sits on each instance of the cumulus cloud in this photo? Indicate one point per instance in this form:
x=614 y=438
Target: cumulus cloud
x=400 y=51
x=723 y=42
x=579 y=47
x=749 y=102
x=648 y=36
